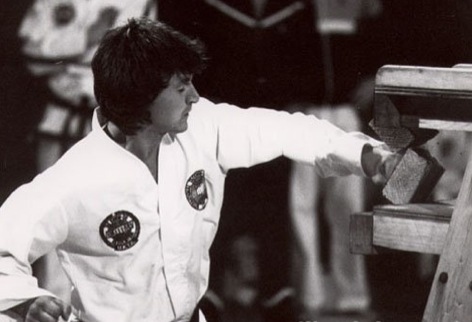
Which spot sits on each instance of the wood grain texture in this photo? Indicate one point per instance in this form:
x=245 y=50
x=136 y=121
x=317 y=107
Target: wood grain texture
x=410 y=233
x=401 y=79
x=444 y=125
x=450 y=298
x=413 y=179
x=397 y=138
x=413 y=227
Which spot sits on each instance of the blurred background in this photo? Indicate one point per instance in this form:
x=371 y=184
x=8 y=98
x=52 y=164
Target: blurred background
x=282 y=250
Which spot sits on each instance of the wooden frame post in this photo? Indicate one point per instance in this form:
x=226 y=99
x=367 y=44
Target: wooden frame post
x=450 y=298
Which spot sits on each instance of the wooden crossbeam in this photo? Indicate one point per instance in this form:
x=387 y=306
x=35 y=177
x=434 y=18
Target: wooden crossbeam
x=412 y=227
x=424 y=81
x=416 y=97
x=418 y=228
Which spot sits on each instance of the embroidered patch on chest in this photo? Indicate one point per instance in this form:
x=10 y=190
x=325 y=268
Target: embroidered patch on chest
x=195 y=190
x=120 y=230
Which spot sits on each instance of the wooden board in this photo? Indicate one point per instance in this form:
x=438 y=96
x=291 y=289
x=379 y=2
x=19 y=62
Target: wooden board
x=414 y=178
x=440 y=82
x=435 y=211
x=410 y=233
x=413 y=227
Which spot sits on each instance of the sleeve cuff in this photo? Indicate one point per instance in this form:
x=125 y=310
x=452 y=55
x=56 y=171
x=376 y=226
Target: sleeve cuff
x=16 y=290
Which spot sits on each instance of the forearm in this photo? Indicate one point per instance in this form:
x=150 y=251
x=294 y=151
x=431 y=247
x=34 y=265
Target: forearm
x=252 y=136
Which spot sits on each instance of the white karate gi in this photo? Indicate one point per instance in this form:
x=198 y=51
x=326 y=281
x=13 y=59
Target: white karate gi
x=137 y=250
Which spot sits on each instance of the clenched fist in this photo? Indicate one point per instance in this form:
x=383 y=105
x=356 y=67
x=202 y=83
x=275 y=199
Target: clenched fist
x=379 y=162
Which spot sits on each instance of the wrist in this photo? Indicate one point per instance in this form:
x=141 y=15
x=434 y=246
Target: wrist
x=22 y=308
x=370 y=161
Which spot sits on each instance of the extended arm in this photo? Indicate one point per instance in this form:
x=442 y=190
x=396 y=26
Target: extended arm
x=246 y=137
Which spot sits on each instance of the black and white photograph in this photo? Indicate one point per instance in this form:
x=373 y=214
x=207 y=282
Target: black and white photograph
x=235 y=160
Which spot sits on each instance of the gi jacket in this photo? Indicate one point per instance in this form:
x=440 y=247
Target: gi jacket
x=134 y=248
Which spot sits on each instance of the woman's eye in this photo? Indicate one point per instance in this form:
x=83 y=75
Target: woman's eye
x=181 y=89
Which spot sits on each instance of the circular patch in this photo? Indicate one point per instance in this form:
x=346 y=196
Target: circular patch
x=195 y=190
x=120 y=230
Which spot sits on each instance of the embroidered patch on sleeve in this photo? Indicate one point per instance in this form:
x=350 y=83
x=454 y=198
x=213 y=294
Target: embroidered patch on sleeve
x=195 y=190
x=120 y=230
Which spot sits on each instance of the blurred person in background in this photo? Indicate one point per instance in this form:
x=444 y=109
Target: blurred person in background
x=328 y=279
x=21 y=98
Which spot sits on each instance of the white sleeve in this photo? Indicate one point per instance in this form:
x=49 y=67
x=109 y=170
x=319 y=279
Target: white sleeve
x=32 y=223
x=246 y=137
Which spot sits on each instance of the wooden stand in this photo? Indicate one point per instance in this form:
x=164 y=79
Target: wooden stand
x=411 y=104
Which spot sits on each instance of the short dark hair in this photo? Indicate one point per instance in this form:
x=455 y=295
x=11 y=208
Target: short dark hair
x=134 y=63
